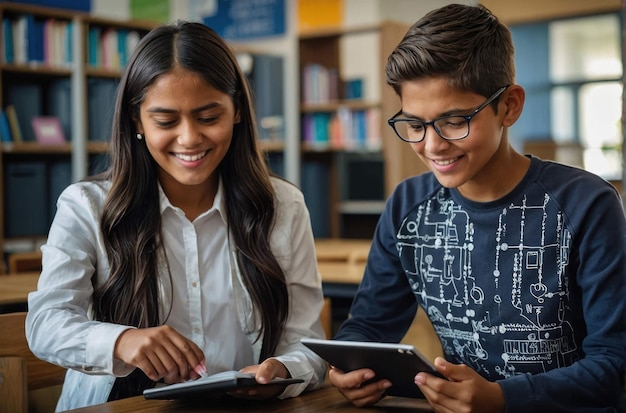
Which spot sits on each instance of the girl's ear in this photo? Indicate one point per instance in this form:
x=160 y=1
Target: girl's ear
x=138 y=125
x=137 y=121
x=513 y=99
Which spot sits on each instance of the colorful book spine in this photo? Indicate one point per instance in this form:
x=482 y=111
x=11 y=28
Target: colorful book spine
x=122 y=39
x=69 y=56
x=319 y=84
x=93 y=46
x=7 y=31
x=14 y=124
x=57 y=43
x=5 y=128
x=20 y=40
x=110 y=53
x=35 y=34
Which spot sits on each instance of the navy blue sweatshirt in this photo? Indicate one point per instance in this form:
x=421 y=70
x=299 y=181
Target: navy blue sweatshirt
x=528 y=290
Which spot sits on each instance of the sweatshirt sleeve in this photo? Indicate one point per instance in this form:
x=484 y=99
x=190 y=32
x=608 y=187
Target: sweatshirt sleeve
x=384 y=306
x=597 y=379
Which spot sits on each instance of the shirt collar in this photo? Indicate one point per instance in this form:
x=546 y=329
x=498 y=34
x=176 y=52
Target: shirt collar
x=219 y=203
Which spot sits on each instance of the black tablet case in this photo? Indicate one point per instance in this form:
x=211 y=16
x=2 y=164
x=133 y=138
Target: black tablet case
x=398 y=363
x=212 y=386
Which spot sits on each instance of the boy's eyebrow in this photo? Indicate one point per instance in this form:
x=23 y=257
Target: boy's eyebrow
x=158 y=109
x=451 y=112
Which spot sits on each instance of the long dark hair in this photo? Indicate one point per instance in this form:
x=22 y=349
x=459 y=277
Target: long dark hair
x=131 y=221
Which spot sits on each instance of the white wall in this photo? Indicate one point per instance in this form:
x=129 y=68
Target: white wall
x=111 y=9
x=406 y=11
x=360 y=52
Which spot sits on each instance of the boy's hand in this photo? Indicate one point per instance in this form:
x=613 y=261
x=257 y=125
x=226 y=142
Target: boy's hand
x=351 y=386
x=161 y=352
x=466 y=390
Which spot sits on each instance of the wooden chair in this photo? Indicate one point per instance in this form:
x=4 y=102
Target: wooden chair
x=24 y=262
x=327 y=319
x=20 y=371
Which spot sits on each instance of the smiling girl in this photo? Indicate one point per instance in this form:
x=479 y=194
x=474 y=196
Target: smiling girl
x=185 y=257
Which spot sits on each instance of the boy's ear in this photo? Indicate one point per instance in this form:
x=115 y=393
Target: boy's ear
x=514 y=103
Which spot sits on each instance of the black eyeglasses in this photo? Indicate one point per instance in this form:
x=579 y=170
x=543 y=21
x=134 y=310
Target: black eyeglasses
x=450 y=128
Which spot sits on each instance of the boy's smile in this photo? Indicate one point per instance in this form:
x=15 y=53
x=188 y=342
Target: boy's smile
x=481 y=166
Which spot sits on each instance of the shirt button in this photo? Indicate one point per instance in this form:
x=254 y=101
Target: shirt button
x=196 y=330
x=194 y=284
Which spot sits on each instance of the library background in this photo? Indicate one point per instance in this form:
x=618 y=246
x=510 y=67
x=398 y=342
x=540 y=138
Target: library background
x=317 y=71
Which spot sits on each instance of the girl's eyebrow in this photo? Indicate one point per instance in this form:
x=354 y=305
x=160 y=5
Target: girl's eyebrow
x=159 y=109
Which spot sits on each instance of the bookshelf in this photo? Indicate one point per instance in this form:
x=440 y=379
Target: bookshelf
x=75 y=79
x=49 y=68
x=350 y=159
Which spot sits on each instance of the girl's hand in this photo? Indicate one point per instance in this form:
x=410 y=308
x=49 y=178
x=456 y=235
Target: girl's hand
x=161 y=353
x=264 y=373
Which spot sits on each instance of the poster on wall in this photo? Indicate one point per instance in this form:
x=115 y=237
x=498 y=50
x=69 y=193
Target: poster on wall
x=313 y=14
x=150 y=10
x=246 y=19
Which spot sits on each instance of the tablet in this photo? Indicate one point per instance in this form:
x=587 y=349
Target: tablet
x=213 y=386
x=399 y=363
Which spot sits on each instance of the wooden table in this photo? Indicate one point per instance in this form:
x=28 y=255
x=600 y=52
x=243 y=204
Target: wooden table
x=326 y=399
x=342 y=250
x=341 y=263
x=341 y=273
x=14 y=288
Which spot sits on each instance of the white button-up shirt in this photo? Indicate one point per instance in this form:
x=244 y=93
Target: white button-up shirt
x=202 y=307
x=205 y=300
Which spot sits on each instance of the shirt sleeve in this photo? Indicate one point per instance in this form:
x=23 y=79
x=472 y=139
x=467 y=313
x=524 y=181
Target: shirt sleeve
x=294 y=245
x=59 y=327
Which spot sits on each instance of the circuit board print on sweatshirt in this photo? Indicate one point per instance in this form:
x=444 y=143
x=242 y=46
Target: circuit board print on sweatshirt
x=494 y=282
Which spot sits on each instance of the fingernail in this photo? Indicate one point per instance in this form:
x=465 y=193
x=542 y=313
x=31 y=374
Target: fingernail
x=419 y=379
x=386 y=384
x=368 y=375
x=201 y=370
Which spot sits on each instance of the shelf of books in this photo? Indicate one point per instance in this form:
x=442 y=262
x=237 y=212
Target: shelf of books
x=348 y=167
x=58 y=81
x=50 y=57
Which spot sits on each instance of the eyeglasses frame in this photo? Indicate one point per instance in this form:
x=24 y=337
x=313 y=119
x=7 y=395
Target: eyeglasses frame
x=392 y=121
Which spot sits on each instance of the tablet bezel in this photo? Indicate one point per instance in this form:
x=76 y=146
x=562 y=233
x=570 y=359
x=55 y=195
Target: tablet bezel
x=398 y=363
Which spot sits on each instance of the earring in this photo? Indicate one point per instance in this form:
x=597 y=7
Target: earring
x=139 y=136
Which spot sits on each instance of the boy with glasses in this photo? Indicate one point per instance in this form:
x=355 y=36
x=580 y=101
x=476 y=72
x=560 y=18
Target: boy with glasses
x=518 y=262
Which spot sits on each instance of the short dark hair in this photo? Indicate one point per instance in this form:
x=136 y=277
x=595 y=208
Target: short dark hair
x=468 y=45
